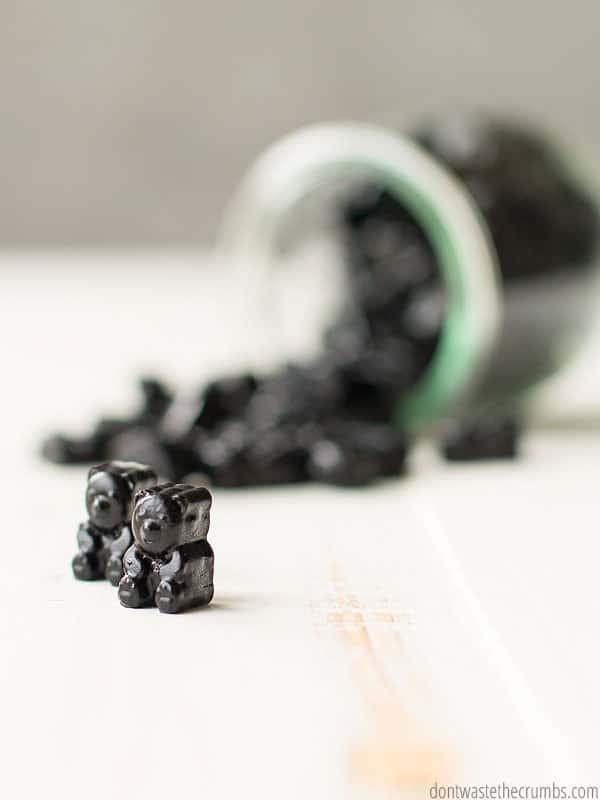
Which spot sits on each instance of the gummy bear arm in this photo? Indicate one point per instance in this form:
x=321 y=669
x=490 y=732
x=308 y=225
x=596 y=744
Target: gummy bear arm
x=172 y=570
x=133 y=564
x=122 y=542
x=87 y=540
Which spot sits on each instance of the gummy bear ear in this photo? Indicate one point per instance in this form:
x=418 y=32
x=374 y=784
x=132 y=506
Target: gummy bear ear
x=196 y=502
x=158 y=488
x=96 y=469
x=141 y=494
x=195 y=496
x=136 y=476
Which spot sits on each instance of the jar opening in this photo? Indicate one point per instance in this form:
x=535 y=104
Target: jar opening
x=324 y=160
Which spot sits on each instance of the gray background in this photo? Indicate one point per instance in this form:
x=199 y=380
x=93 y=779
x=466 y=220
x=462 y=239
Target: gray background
x=130 y=122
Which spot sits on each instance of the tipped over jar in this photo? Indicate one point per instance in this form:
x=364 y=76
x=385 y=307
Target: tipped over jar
x=466 y=251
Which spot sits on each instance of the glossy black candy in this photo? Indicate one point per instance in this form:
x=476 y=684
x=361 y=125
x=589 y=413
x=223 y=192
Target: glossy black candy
x=61 y=449
x=482 y=437
x=386 y=342
x=539 y=220
x=276 y=457
x=356 y=454
x=106 y=535
x=146 y=445
x=225 y=399
x=220 y=453
x=171 y=563
x=96 y=447
x=170 y=457
x=237 y=455
x=295 y=394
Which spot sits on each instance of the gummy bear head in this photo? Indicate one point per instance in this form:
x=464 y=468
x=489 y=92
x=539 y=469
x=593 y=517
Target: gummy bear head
x=170 y=515
x=110 y=491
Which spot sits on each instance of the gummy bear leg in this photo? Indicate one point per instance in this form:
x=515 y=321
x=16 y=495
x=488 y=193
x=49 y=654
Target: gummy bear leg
x=204 y=595
x=87 y=567
x=201 y=596
x=134 y=594
x=114 y=570
x=168 y=598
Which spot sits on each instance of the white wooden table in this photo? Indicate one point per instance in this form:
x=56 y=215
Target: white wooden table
x=366 y=643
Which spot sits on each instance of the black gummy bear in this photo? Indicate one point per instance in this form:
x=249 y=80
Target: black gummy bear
x=171 y=563
x=104 y=538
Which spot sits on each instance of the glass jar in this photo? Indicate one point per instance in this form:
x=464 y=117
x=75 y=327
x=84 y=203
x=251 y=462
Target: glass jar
x=511 y=228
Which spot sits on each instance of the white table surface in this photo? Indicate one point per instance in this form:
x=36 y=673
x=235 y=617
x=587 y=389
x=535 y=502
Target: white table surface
x=361 y=643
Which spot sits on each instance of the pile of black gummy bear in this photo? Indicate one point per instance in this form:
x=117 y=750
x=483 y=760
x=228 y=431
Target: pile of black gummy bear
x=331 y=420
